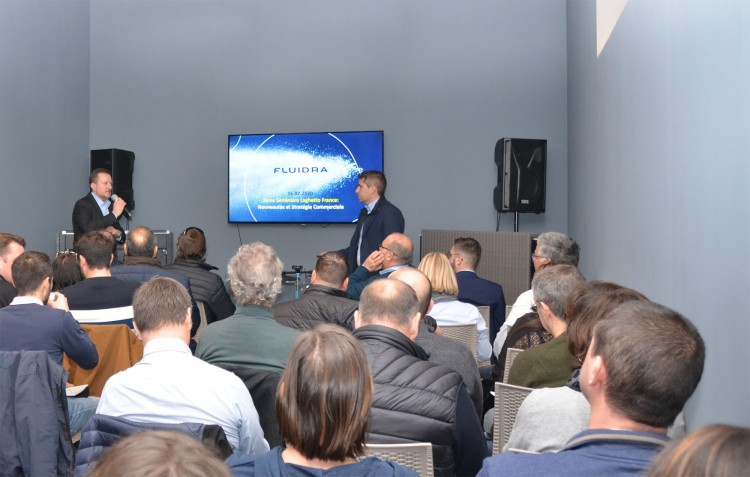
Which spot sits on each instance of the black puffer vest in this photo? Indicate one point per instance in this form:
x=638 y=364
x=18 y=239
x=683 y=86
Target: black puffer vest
x=415 y=400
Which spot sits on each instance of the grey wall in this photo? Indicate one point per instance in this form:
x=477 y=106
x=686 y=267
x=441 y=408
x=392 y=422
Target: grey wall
x=44 y=115
x=444 y=79
x=658 y=197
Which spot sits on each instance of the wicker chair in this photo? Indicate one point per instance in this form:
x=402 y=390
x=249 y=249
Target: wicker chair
x=467 y=334
x=510 y=356
x=508 y=399
x=417 y=456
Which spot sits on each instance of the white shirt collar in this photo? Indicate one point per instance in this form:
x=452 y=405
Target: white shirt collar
x=26 y=300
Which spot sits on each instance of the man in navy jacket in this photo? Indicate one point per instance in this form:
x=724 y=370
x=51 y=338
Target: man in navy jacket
x=377 y=220
x=464 y=256
x=28 y=325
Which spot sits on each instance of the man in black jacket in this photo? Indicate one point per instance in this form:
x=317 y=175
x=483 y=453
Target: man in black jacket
x=207 y=286
x=96 y=210
x=325 y=299
x=415 y=400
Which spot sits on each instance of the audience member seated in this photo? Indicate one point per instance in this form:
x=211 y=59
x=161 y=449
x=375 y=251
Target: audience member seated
x=717 y=450
x=141 y=264
x=159 y=454
x=323 y=409
x=65 y=270
x=550 y=246
x=169 y=385
x=11 y=246
x=28 y=325
x=395 y=252
x=251 y=337
x=643 y=364
x=207 y=286
x=100 y=298
x=441 y=349
x=549 y=417
x=324 y=300
x=464 y=257
x=526 y=333
x=415 y=400
x=447 y=310
x=549 y=364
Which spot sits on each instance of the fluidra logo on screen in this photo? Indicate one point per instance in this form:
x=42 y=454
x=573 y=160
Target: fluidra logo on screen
x=298 y=170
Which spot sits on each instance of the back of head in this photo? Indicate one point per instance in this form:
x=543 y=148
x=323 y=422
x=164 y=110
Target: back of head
x=29 y=270
x=401 y=246
x=159 y=454
x=419 y=282
x=160 y=303
x=388 y=301
x=141 y=242
x=553 y=284
x=716 y=450
x=653 y=358
x=255 y=274
x=6 y=239
x=332 y=268
x=325 y=394
x=438 y=270
x=558 y=246
x=374 y=178
x=96 y=247
x=470 y=250
x=586 y=306
x=65 y=270
x=191 y=244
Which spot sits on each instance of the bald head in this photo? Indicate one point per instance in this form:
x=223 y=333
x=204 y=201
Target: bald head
x=400 y=250
x=419 y=282
x=141 y=243
x=390 y=303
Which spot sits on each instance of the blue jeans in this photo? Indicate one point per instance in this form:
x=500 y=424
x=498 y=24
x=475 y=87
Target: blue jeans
x=80 y=410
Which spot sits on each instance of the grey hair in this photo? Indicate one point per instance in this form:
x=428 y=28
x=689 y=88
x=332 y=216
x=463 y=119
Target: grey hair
x=553 y=284
x=255 y=274
x=558 y=247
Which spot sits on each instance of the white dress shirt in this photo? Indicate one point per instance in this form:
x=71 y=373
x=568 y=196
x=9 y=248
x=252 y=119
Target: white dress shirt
x=171 y=386
x=453 y=312
x=520 y=307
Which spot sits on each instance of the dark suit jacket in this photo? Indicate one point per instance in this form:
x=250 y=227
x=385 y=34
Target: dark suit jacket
x=384 y=220
x=87 y=217
x=481 y=292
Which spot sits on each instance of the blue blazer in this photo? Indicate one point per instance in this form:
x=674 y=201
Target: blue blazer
x=384 y=220
x=481 y=292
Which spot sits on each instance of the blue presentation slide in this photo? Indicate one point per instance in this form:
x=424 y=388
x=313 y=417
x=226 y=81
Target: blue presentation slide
x=299 y=178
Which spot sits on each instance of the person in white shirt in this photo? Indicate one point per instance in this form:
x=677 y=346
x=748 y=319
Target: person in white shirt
x=550 y=247
x=169 y=385
x=447 y=310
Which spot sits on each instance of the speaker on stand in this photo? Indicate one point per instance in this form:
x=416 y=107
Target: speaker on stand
x=521 y=177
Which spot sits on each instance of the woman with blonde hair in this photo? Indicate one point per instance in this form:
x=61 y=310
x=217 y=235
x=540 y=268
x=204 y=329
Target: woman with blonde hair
x=446 y=309
x=323 y=409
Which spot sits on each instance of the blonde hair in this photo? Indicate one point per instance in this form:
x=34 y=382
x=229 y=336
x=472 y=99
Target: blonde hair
x=438 y=269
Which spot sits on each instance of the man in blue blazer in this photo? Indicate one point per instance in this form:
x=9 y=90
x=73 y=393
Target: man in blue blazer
x=464 y=256
x=377 y=220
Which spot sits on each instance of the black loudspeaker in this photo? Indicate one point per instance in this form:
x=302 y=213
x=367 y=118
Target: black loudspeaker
x=120 y=163
x=521 y=175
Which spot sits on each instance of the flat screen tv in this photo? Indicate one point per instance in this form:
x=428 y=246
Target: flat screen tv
x=302 y=178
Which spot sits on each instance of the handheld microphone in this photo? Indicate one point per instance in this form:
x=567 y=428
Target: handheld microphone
x=125 y=211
